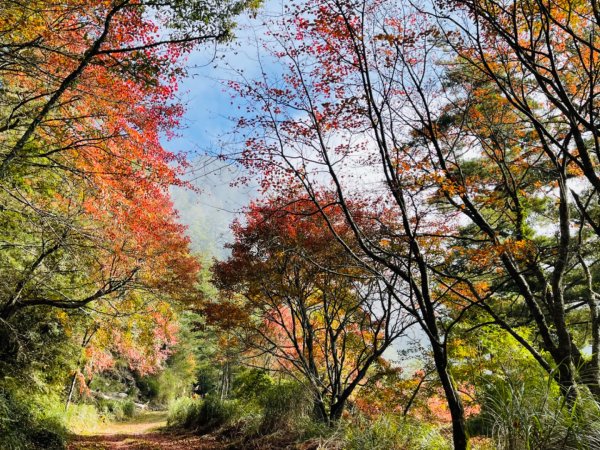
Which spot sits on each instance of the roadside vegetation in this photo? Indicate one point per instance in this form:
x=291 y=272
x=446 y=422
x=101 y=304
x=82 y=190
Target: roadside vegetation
x=420 y=268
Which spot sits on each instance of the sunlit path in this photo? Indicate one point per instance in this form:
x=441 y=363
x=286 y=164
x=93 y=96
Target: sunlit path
x=146 y=431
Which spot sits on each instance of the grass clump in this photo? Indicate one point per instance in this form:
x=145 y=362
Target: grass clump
x=519 y=415
x=285 y=406
x=392 y=432
x=117 y=410
x=203 y=415
x=179 y=409
x=82 y=418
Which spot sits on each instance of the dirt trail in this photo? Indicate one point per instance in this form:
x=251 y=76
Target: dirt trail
x=145 y=432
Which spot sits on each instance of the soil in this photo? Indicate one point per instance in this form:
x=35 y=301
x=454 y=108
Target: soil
x=146 y=432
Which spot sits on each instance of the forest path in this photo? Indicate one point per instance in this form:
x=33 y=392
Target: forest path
x=144 y=432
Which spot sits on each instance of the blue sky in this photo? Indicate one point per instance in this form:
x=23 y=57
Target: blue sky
x=207 y=127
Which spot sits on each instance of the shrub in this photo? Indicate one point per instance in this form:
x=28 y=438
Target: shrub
x=175 y=380
x=81 y=418
x=128 y=408
x=179 y=410
x=116 y=409
x=149 y=387
x=21 y=430
x=392 y=432
x=203 y=415
x=285 y=405
x=251 y=384
x=215 y=412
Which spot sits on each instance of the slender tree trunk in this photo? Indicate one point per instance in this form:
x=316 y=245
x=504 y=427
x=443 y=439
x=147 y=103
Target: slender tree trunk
x=460 y=436
x=71 y=389
x=87 y=337
x=225 y=380
x=413 y=396
x=590 y=372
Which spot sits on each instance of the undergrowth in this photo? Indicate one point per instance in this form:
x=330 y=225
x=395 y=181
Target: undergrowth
x=22 y=429
x=281 y=418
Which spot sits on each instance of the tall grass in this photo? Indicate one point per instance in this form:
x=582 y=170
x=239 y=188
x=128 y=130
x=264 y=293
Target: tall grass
x=203 y=415
x=82 y=418
x=392 y=432
x=116 y=409
x=526 y=416
x=284 y=407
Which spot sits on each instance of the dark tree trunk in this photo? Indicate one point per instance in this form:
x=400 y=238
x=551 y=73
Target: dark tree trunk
x=337 y=409
x=566 y=379
x=460 y=436
x=591 y=378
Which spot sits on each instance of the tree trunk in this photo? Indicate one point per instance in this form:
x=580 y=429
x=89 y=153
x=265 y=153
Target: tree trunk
x=71 y=389
x=590 y=370
x=225 y=380
x=590 y=376
x=566 y=379
x=460 y=436
x=337 y=409
x=87 y=337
